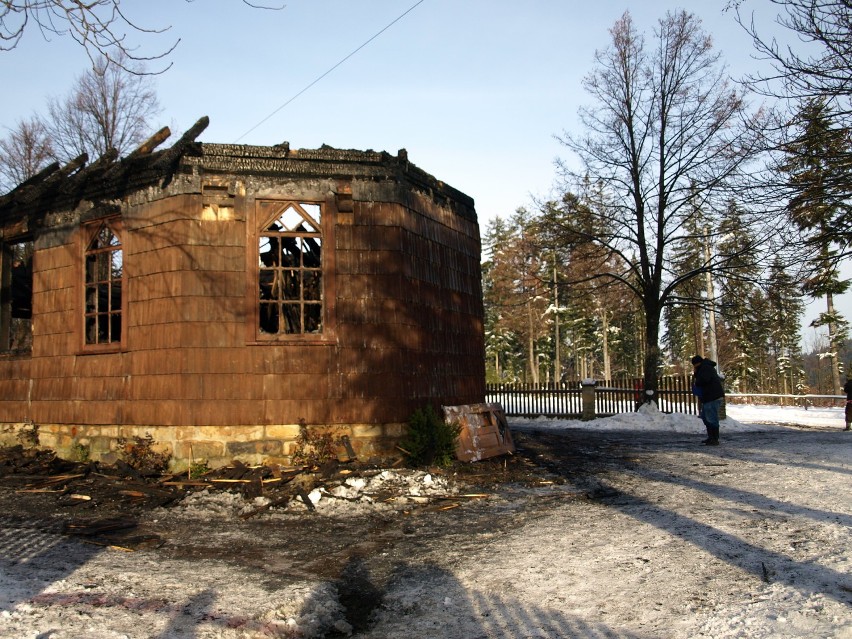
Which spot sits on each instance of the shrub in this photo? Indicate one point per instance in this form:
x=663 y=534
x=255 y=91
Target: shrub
x=313 y=448
x=28 y=435
x=430 y=441
x=81 y=452
x=197 y=469
x=139 y=452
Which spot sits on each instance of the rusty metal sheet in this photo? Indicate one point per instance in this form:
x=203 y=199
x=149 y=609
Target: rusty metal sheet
x=484 y=431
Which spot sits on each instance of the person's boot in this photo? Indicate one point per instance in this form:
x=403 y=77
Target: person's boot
x=848 y=426
x=709 y=435
x=713 y=439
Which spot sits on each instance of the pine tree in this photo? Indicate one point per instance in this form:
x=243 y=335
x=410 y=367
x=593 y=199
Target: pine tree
x=818 y=174
x=786 y=308
x=738 y=292
x=685 y=316
x=502 y=350
x=759 y=370
x=827 y=283
x=516 y=296
x=592 y=305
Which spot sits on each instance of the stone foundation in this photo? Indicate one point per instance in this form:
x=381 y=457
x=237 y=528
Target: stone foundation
x=214 y=445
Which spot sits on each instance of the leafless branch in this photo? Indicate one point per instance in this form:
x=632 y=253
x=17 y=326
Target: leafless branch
x=101 y=27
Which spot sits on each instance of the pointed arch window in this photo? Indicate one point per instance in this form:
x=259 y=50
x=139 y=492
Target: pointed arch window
x=103 y=285
x=290 y=269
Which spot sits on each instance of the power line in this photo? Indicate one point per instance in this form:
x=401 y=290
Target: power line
x=388 y=26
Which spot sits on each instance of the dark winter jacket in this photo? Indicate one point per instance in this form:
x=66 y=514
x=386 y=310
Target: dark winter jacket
x=708 y=382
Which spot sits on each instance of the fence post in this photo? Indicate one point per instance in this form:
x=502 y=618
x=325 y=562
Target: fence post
x=588 y=398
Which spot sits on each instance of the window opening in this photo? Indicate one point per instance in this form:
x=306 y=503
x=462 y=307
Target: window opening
x=16 y=296
x=290 y=271
x=104 y=275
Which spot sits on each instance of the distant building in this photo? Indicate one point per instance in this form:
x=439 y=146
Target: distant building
x=220 y=297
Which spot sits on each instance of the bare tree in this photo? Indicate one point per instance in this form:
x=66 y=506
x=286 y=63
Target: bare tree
x=818 y=65
x=100 y=26
x=664 y=138
x=108 y=108
x=25 y=151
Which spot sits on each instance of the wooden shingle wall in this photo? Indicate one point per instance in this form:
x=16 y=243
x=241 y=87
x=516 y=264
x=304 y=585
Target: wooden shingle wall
x=409 y=309
x=404 y=322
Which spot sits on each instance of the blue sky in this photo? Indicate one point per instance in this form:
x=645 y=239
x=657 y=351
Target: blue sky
x=475 y=90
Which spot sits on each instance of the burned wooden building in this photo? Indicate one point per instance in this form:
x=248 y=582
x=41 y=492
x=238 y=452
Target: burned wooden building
x=221 y=297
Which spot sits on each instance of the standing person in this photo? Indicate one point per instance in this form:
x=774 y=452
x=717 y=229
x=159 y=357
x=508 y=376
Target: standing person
x=847 y=388
x=708 y=387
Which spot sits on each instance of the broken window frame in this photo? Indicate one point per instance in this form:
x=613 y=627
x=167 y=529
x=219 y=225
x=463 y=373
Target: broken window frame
x=300 y=264
x=16 y=296
x=103 y=293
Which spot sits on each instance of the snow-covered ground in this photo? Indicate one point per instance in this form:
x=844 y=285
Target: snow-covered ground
x=740 y=418
x=751 y=539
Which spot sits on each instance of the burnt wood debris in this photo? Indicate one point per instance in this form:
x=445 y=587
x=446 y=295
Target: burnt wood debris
x=101 y=503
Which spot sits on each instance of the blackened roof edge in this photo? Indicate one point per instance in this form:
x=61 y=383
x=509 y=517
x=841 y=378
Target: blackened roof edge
x=58 y=188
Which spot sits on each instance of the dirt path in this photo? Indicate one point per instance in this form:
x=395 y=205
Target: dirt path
x=612 y=534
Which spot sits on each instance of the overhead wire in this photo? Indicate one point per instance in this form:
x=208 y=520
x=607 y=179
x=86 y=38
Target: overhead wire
x=364 y=44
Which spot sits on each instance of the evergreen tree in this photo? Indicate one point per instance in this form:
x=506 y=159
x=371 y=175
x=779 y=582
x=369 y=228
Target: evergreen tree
x=786 y=308
x=504 y=358
x=818 y=174
x=760 y=370
x=592 y=304
x=738 y=293
x=685 y=316
x=827 y=283
x=516 y=292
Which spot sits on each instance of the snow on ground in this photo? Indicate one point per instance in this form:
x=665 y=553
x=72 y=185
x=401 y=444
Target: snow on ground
x=821 y=417
x=750 y=539
x=740 y=418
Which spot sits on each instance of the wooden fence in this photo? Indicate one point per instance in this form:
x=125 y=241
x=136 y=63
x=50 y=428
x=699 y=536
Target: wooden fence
x=565 y=400
x=533 y=400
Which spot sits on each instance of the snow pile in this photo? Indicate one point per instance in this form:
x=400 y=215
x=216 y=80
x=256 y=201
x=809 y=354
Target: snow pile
x=400 y=487
x=207 y=504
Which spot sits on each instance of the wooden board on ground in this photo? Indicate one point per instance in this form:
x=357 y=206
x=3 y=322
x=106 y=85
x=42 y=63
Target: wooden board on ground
x=484 y=431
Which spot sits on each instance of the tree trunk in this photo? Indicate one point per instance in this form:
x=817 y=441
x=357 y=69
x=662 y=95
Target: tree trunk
x=698 y=331
x=832 y=347
x=711 y=300
x=652 y=347
x=557 y=363
x=531 y=347
x=606 y=363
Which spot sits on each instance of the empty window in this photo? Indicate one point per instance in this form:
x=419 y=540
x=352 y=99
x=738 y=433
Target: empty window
x=103 y=295
x=16 y=296
x=290 y=282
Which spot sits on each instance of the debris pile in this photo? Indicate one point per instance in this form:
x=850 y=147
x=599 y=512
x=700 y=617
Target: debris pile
x=95 y=485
